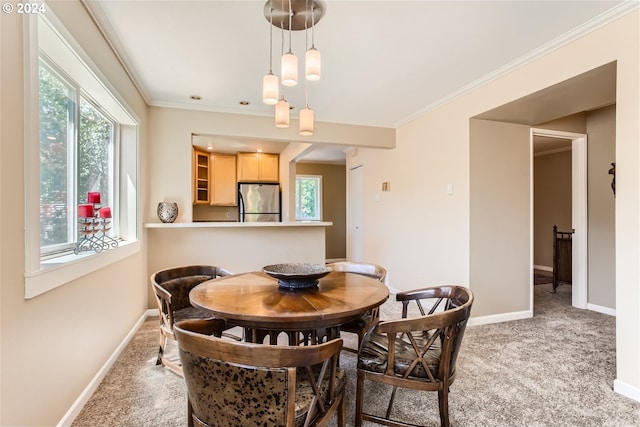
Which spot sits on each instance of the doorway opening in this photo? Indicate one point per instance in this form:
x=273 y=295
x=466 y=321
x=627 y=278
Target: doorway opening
x=578 y=210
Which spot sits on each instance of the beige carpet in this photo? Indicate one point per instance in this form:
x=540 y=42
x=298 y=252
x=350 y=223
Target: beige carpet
x=555 y=369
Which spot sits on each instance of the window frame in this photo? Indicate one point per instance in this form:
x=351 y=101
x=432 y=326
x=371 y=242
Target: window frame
x=73 y=160
x=70 y=146
x=45 y=274
x=318 y=180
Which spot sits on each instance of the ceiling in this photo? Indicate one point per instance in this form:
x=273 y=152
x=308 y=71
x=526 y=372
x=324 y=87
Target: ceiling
x=588 y=91
x=383 y=62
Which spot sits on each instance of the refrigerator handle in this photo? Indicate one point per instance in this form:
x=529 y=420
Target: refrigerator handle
x=241 y=202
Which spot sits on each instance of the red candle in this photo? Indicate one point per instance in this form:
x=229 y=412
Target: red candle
x=85 y=211
x=104 y=212
x=93 y=197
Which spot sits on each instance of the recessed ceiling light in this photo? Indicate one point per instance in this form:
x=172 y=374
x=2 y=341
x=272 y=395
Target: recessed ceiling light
x=196 y=97
x=244 y=102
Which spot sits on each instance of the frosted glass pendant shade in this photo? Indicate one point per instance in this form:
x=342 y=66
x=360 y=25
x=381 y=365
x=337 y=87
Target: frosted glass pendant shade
x=312 y=64
x=306 y=121
x=282 y=114
x=289 y=69
x=270 y=89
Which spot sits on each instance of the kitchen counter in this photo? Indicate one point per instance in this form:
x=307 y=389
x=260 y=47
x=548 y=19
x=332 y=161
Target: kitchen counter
x=231 y=224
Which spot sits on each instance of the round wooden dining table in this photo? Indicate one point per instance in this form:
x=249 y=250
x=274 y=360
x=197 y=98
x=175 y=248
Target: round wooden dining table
x=256 y=302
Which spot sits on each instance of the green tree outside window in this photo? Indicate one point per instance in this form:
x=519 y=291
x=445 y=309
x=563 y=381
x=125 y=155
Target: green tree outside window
x=308 y=198
x=76 y=156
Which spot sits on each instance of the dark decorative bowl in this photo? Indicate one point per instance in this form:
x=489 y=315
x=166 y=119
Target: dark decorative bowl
x=297 y=275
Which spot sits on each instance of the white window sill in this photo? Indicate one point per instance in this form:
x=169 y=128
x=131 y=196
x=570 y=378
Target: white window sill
x=58 y=271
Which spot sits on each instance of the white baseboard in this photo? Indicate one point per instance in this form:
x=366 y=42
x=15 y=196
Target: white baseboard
x=601 y=309
x=543 y=268
x=627 y=390
x=84 y=397
x=499 y=318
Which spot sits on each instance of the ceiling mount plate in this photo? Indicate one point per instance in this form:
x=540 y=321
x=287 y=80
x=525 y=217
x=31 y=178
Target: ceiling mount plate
x=278 y=10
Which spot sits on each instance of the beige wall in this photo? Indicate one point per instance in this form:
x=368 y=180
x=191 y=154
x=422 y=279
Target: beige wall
x=54 y=344
x=574 y=123
x=334 y=200
x=601 y=145
x=551 y=201
x=170 y=157
x=235 y=249
x=499 y=269
x=428 y=241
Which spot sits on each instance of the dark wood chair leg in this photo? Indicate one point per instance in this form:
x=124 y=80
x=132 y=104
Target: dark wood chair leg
x=189 y=414
x=163 y=343
x=359 y=398
x=443 y=401
x=342 y=413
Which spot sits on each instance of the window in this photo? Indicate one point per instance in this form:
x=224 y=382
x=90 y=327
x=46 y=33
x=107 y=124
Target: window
x=71 y=163
x=308 y=197
x=80 y=138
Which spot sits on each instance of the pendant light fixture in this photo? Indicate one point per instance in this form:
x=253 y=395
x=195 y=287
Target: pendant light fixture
x=312 y=56
x=306 y=121
x=270 y=81
x=283 y=109
x=282 y=113
x=292 y=15
x=289 y=61
x=306 y=114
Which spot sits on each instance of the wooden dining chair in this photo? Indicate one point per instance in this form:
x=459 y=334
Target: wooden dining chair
x=418 y=352
x=232 y=383
x=360 y=325
x=171 y=288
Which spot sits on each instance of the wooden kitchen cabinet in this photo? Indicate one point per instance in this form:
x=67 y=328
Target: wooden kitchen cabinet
x=258 y=167
x=200 y=173
x=223 y=185
x=214 y=179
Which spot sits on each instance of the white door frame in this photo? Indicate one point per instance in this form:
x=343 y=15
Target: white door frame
x=354 y=239
x=578 y=212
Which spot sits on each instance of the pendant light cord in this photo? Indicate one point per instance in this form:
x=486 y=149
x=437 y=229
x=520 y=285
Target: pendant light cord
x=313 y=24
x=290 y=26
x=282 y=49
x=306 y=44
x=270 y=37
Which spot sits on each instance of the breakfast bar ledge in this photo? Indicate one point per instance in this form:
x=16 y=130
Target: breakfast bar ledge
x=235 y=224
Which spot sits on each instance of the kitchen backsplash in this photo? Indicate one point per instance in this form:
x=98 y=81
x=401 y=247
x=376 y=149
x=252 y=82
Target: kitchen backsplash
x=203 y=213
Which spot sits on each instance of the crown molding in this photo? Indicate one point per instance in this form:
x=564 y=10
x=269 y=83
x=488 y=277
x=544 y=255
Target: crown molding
x=96 y=12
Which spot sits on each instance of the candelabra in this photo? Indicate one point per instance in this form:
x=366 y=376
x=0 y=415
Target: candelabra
x=94 y=222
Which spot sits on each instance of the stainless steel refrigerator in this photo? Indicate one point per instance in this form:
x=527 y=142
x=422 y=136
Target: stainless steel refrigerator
x=259 y=202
